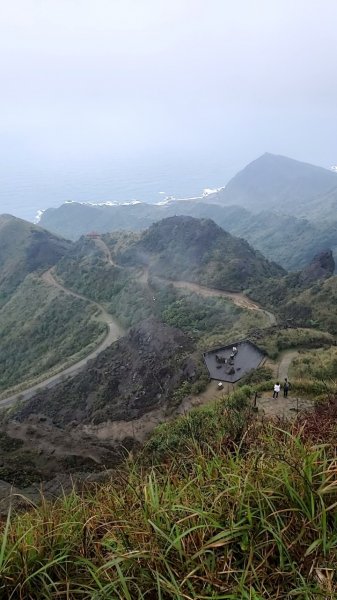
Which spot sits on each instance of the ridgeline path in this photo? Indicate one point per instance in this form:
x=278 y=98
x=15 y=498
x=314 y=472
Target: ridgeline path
x=238 y=298
x=115 y=331
x=106 y=251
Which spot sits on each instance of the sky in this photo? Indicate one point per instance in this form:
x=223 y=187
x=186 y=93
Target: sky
x=219 y=82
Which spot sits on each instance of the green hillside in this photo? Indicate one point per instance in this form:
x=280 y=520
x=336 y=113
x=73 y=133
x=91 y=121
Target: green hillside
x=40 y=330
x=220 y=503
x=25 y=248
x=73 y=219
x=41 y=327
x=198 y=250
x=290 y=241
x=131 y=297
x=305 y=298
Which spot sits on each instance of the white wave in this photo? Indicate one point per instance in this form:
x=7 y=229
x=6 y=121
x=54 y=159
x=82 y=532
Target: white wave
x=209 y=191
x=106 y=203
x=206 y=192
x=132 y=203
x=39 y=215
x=191 y=198
x=333 y=168
x=166 y=200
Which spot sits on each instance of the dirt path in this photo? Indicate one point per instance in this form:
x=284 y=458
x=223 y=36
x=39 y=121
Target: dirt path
x=285 y=362
x=106 y=251
x=237 y=298
x=283 y=407
x=114 y=333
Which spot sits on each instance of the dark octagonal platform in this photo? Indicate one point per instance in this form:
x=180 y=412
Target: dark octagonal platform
x=248 y=357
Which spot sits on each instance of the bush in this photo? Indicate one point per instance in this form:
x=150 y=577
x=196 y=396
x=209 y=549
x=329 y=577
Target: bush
x=251 y=520
x=211 y=422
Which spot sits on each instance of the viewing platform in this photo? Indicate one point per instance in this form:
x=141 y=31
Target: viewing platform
x=226 y=364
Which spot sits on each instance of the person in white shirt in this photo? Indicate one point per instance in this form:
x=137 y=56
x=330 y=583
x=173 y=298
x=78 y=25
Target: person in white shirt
x=277 y=388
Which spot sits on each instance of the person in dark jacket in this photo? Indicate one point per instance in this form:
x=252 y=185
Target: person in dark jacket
x=286 y=387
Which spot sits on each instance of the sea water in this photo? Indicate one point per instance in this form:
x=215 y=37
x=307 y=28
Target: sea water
x=29 y=187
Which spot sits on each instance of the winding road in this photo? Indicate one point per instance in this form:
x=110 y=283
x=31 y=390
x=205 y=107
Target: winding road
x=115 y=331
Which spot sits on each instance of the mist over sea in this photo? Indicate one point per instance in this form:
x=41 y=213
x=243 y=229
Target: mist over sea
x=28 y=187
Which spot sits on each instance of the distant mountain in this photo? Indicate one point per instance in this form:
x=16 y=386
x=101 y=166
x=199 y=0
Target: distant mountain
x=198 y=250
x=25 y=248
x=290 y=241
x=284 y=208
x=277 y=182
x=71 y=220
x=324 y=209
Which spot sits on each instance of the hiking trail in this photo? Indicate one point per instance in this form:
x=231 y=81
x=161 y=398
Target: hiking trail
x=115 y=331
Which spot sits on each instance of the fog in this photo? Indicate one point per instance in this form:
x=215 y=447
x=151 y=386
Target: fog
x=88 y=87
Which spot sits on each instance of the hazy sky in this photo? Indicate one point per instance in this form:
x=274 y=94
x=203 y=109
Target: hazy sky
x=85 y=79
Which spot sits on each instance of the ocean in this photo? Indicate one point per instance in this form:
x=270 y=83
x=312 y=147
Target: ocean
x=27 y=188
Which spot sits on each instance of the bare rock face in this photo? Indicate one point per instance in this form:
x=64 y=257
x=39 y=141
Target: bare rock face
x=321 y=267
x=88 y=423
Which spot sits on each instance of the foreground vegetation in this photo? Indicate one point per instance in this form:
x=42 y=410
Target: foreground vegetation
x=216 y=506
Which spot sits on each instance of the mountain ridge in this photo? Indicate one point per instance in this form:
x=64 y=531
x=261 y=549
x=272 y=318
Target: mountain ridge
x=284 y=208
x=200 y=251
x=25 y=248
x=274 y=180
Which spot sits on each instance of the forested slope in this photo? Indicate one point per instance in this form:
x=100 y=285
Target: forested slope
x=41 y=329
x=200 y=251
x=24 y=249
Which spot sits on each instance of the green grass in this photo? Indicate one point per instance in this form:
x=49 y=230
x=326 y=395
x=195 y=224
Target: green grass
x=293 y=301
x=316 y=364
x=217 y=506
x=41 y=330
x=274 y=340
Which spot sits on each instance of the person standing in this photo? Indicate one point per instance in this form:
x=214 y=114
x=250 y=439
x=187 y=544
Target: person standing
x=286 y=388
x=277 y=388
